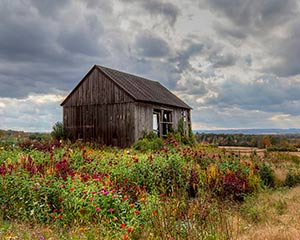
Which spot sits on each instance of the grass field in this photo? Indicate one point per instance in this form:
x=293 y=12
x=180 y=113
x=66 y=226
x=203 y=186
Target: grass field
x=73 y=191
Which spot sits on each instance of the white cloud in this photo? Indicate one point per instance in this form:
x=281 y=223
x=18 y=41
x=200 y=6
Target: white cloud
x=34 y=113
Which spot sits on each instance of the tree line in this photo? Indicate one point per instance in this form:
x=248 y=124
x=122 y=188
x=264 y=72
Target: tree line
x=272 y=142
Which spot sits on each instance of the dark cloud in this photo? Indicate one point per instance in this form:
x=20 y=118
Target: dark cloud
x=287 y=49
x=50 y=7
x=42 y=54
x=183 y=57
x=272 y=24
x=259 y=16
x=156 y=8
x=193 y=87
x=103 y=5
x=148 y=45
x=266 y=94
x=81 y=42
x=23 y=37
x=222 y=60
x=23 y=80
x=234 y=32
x=166 y=9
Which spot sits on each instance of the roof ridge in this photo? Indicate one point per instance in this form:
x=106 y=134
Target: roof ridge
x=143 y=89
x=139 y=88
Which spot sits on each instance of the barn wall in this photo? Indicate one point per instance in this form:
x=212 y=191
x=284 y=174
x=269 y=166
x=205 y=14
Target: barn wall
x=97 y=89
x=99 y=111
x=109 y=124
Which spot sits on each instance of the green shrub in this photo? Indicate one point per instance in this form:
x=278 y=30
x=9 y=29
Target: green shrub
x=266 y=175
x=149 y=143
x=292 y=179
x=60 y=132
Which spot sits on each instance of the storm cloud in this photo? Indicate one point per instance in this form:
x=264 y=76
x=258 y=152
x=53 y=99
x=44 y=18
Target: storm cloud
x=236 y=62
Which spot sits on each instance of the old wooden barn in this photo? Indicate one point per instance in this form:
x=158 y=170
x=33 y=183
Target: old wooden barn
x=115 y=108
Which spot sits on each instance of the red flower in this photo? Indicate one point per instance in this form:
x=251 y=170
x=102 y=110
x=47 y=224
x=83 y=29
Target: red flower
x=72 y=188
x=53 y=217
x=136 y=212
x=125 y=198
x=154 y=213
x=123 y=225
x=60 y=199
x=125 y=237
x=81 y=210
x=59 y=216
x=130 y=229
x=131 y=205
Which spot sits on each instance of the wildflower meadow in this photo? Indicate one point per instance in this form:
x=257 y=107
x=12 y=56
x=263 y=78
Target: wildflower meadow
x=76 y=191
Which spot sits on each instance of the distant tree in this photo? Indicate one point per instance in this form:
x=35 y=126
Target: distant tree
x=253 y=142
x=266 y=142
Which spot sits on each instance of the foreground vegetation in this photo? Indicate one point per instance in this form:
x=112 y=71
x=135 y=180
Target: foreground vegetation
x=73 y=191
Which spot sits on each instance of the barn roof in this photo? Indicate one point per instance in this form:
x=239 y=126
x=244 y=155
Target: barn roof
x=141 y=89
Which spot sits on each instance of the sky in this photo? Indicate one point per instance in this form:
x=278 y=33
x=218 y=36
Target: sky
x=235 y=62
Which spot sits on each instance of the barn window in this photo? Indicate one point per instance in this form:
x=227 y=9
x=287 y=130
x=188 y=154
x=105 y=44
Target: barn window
x=162 y=122
x=167 y=122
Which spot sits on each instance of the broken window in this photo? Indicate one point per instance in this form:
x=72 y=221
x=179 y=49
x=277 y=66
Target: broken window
x=162 y=122
x=167 y=122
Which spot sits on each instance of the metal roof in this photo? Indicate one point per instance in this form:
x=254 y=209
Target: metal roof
x=142 y=89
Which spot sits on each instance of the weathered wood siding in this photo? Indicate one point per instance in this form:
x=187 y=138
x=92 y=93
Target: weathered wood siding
x=144 y=117
x=96 y=88
x=100 y=111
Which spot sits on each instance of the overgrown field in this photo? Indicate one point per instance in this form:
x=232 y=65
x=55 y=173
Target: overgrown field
x=64 y=191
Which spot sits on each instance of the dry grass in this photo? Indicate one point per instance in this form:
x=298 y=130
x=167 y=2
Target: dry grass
x=272 y=216
x=279 y=176
x=244 y=151
x=24 y=231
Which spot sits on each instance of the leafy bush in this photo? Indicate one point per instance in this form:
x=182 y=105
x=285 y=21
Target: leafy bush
x=149 y=142
x=292 y=179
x=60 y=132
x=266 y=175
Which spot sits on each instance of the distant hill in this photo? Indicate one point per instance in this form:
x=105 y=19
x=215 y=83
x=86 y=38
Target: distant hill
x=259 y=131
